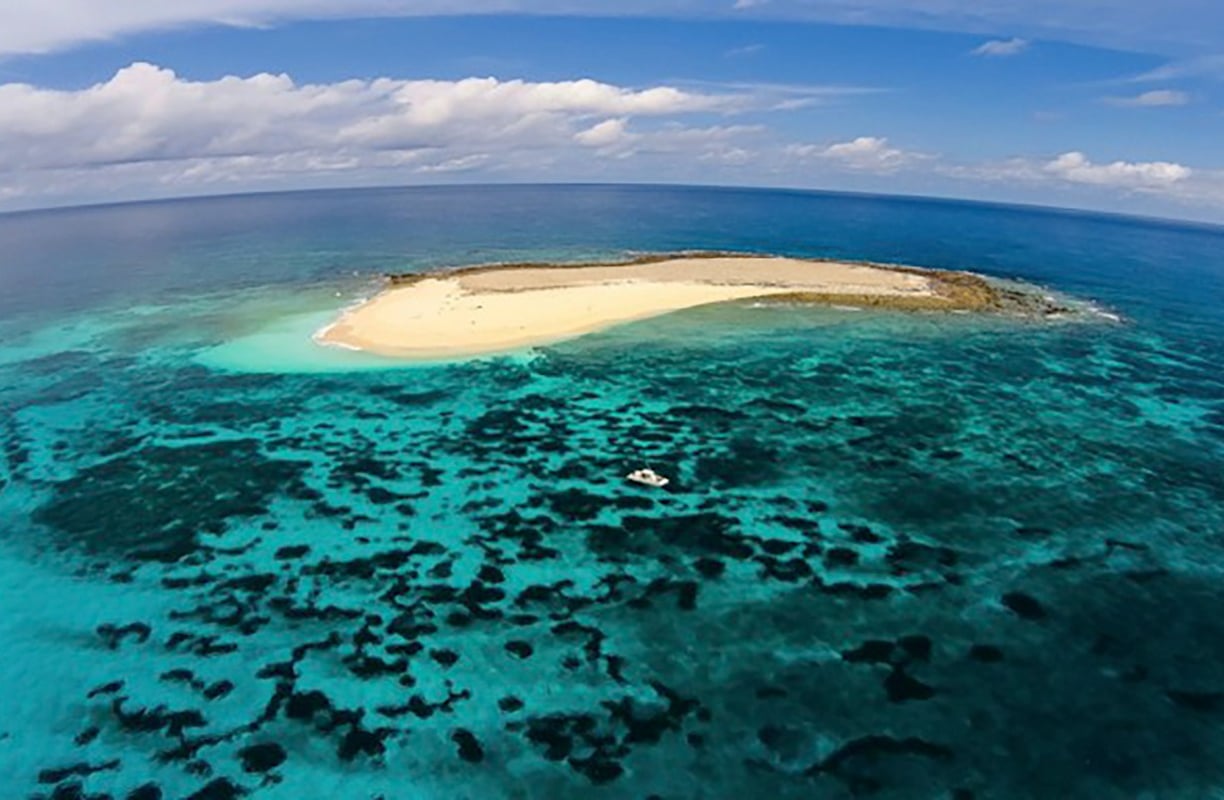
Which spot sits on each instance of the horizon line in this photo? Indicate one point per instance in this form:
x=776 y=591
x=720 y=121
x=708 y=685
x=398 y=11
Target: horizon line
x=935 y=198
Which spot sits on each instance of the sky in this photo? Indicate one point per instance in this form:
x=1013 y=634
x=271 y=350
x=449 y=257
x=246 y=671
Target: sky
x=1113 y=105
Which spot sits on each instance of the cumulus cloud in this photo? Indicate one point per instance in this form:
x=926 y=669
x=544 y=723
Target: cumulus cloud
x=1074 y=167
x=149 y=132
x=1145 y=175
x=1156 y=98
x=609 y=133
x=867 y=153
x=146 y=113
x=156 y=132
x=998 y=48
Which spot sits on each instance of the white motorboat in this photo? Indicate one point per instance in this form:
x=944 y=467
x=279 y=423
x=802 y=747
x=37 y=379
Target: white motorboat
x=648 y=477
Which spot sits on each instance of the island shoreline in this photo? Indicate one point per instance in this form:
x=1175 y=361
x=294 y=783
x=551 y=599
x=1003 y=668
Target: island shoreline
x=496 y=308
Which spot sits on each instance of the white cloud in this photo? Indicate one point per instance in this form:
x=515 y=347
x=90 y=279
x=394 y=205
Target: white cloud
x=1146 y=175
x=1184 y=28
x=723 y=143
x=766 y=96
x=1074 y=167
x=609 y=133
x=866 y=153
x=145 y=113
x=726 y=144
x=148 y=132
x=460 y=164
x=1211 y=66
x=1156 y=98
x=147 y=128
x=998 y=48
x=1161 y=187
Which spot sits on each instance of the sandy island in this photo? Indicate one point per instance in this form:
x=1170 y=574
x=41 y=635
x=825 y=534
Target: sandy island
x=487 y=310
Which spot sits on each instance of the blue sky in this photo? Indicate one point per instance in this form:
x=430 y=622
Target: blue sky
x=1094 y=104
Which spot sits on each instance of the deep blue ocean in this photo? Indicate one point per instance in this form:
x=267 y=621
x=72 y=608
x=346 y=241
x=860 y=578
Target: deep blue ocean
x=903 y=556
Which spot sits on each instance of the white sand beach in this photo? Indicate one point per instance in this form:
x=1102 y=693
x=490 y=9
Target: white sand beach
x=486 y=311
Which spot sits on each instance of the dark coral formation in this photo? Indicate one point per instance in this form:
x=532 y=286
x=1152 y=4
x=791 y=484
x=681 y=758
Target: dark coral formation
x=850 y=589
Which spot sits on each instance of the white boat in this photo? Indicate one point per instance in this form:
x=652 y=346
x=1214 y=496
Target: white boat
x=648 y=477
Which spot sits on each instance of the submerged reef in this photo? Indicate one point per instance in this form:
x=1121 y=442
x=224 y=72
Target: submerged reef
x=879 y=571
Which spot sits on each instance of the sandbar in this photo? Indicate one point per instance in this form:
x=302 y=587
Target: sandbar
x=489 y=310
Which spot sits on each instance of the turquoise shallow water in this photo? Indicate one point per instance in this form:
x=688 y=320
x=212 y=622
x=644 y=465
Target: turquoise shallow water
x=904 y=556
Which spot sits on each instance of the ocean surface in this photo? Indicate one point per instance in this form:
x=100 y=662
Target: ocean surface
x=903 y=556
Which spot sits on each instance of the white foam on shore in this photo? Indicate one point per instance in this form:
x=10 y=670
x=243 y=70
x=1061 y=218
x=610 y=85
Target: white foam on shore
x=319 y=337
x=1104 y=313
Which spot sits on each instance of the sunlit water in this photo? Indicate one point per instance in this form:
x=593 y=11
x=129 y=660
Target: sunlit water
x=904 y=556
